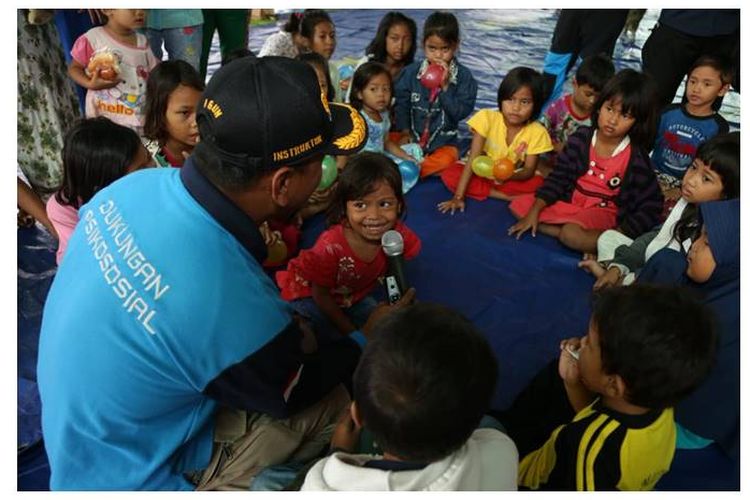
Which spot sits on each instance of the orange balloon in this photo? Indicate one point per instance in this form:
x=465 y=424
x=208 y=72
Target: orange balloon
x=503 y=169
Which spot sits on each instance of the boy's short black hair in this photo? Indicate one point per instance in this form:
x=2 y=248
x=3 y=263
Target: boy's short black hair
x=595 y=71
x=717 y=62
x=660 y=340
x=518 y=77
x=424 y=382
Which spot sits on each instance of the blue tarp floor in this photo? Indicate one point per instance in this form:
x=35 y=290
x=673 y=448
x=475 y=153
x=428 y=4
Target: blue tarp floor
x=524 y=295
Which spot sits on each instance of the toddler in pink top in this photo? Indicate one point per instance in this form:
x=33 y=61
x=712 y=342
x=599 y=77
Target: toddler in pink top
x=97 y=152
x=113 y=62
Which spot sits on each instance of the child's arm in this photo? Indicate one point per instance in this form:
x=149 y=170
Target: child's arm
x=326 y=303
x=457 y=202
x=529 y=221
x=458 y=100
x=402 y=107
x=527 y=170
x=29 y=202
x=396 y=150
x=77 y=73
x=641 y=199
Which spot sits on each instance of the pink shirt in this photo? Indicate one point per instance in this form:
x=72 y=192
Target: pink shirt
x=64 y=219
x=123 y=104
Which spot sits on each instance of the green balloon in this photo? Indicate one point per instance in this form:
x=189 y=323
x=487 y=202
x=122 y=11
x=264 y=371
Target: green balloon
x=482 y=166
x=330 y=172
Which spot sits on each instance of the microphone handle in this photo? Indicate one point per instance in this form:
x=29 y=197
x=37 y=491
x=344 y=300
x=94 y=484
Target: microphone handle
x=395 y=279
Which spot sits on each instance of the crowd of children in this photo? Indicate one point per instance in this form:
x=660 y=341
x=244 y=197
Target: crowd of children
x=593 y=170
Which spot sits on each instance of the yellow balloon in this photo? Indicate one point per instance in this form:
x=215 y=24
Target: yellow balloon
x=482 y=166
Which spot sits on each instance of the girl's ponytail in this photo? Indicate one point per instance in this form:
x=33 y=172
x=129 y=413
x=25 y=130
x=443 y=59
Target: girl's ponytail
x=293 y=23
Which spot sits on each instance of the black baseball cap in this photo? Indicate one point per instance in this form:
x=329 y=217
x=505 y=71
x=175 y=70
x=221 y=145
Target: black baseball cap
x=265 y=112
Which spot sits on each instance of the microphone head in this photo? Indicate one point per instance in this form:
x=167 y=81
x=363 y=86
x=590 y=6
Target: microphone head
x=393 y=243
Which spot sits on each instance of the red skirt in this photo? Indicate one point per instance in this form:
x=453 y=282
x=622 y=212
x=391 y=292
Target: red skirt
x=479 y=187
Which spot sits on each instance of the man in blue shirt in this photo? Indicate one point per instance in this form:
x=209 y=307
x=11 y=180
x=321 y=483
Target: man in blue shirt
x=167 y=359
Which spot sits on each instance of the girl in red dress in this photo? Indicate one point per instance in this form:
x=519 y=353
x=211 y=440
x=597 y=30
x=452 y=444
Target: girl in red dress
x=331 y=282
x=603 y=178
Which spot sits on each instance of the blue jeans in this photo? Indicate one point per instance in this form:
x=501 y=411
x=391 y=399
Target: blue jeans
x=325 y=330
x=181 y=43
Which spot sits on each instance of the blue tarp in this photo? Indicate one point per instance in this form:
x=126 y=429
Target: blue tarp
x=524 y=295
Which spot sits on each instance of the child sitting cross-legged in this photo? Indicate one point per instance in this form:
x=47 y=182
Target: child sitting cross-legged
x=601 y=417
x=421 y=388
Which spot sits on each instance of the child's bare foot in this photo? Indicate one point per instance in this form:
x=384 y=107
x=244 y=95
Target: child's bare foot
x=593 y=267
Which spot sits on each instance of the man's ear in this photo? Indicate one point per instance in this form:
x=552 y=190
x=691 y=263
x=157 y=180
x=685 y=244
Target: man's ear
x=724 y=89
x=280 y=184
x=356 y=417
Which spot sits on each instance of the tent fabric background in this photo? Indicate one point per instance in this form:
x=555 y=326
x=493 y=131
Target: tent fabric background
x=524 y=295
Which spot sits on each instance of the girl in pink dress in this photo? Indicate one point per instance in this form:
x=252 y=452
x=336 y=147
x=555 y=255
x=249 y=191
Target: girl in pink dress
x=603 y=178
x=331 y=282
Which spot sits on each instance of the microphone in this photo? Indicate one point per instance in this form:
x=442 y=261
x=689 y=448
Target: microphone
x=395 y=278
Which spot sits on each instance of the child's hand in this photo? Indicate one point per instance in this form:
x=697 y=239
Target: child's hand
x=346 y=434
x=404 y=139
x=453 y=204
x=321 y=196
x=592 y=266
x=99 y=83
x=530 y=221
x=446 y=75
x=568 y=364
x=612 y=277
x=269 y=237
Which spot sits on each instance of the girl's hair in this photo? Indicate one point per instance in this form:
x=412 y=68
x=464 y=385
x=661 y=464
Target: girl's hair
x=362 y=77
x=523 y=77
x=636 y=93
x=722 y=154
x=377 y=46
x=443 y=25
x=304 y=23
x=363 y=171
x=162 y=81
x=316 y=60
x=292 y=24
x=96 y=153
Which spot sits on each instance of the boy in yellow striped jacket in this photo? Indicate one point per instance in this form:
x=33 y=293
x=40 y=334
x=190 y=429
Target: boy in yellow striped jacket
x=601 y=418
